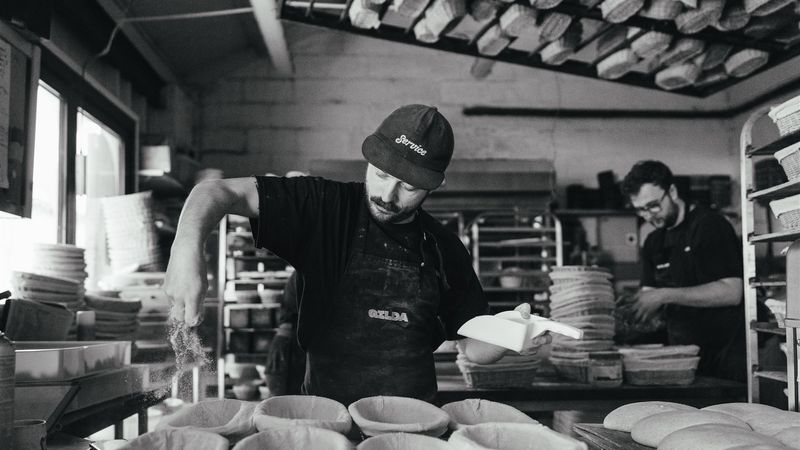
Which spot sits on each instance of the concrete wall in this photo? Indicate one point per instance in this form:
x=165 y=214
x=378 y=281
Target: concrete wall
x=253 y=121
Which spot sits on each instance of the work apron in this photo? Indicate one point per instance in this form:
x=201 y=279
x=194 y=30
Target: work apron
x=377 y=333
x=718 y=331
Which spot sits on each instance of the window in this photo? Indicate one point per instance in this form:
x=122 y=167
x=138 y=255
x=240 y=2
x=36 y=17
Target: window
x=45 y=223
x=98 y=167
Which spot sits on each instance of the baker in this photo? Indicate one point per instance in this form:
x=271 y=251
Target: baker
x=691 y=267
x=384 y=283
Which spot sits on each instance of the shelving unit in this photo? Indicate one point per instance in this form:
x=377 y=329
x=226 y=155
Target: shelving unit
x=512 y=252
x=244 y=330
x=751 y=238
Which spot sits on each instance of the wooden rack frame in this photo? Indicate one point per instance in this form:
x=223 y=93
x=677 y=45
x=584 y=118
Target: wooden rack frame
x=333 y=15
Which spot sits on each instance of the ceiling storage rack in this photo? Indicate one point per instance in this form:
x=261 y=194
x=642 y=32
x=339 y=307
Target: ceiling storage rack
x=691 y=47
x=512 y=253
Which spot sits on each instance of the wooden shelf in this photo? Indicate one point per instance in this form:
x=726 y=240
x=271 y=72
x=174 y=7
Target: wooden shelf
x=250 y=330
x=756 y=283
x=521 y=273
x=517 y=230
x=781 y=236
x=773 y=375
x=594 y=212
x=768 y=327
x=779 y=191
x=518 y=259
x=501 y=244
x=493 y=289
x=775 y=146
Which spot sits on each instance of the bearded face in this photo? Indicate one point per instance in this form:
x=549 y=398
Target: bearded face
x=390 y=199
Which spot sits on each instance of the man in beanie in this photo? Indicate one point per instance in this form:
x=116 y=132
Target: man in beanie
x=383 y=282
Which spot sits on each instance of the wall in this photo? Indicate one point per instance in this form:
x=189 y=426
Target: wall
x=253 y=121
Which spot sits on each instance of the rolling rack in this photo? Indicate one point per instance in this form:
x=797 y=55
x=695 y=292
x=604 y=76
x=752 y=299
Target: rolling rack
x=512 y=253
x=751 y=196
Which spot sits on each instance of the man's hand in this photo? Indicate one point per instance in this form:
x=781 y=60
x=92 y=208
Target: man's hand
x=537 y=341
x=186 y=284
x=647 y=303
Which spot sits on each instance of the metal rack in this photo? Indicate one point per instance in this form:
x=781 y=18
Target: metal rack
x=781 y=43
x=753 y=280
x=228 y=275
x=512 y=251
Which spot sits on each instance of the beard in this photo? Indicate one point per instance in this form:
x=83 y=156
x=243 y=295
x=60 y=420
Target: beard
x=384 y=212
x=669 y=219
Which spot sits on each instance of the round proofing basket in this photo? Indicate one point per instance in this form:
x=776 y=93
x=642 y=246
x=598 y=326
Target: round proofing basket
x=659 y=377
x=170 y=439
x=308 y=438
x=689 y=363
x=302 y=410
x=229 y=418
x=389 y=414
x=786 y=116
x=513 y=436
x=789 y=158
x=403 y=441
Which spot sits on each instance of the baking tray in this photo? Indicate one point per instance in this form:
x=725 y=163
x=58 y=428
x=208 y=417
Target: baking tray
x=67 y=360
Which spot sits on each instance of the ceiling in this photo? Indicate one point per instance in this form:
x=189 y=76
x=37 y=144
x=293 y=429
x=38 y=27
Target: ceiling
x=199 y=50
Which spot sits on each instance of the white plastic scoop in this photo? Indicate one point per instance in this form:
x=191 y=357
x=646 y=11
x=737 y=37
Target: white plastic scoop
x=510 y=330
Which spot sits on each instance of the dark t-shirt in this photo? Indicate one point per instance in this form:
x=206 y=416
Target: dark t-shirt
x=701 y=249
x=310 y=222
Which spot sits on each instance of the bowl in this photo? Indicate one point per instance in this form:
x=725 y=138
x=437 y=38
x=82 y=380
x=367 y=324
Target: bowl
x=263 y=392
x=245 y=391
x=302 y=410
x=388 y=414
x=511 y=278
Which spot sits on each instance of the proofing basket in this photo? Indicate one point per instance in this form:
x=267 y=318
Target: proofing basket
x=662 y=9
x=778 y=309
x=659 y=377
x=483 y=377
x=789 y=159
x=745 y=62
x=787 y=116
x=787 y=210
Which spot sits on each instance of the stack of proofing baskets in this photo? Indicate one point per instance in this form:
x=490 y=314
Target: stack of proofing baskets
x=787 y=117
x=131 y=232
x=582 y=296
x=512 y=370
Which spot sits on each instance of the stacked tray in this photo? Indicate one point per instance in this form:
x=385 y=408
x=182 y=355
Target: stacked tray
x=656 y=364
x=45 y=288
x=116 y=319
x=581 y=296
x=60 y=260
x=50 y=289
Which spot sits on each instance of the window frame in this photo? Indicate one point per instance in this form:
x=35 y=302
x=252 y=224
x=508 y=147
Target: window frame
x=79 y=93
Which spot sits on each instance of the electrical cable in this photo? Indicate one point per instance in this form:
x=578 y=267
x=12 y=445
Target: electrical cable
x=180 y=16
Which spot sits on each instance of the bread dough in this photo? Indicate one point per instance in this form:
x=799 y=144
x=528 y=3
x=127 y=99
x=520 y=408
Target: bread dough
x=742 y=410
x=512 y=436
x=652 y=430
x=715 y=437
x=790 y=437
x=623 y=418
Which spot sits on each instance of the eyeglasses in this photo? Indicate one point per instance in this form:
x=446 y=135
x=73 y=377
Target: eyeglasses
x=653 y=207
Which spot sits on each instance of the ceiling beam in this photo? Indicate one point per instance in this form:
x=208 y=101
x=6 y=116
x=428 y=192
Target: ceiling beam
x=266 y=15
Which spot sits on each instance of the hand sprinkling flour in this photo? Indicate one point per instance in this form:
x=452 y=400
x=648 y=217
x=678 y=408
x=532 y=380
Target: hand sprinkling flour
x=186 y=345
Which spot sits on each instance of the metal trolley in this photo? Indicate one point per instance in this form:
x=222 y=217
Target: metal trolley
x=512 y=252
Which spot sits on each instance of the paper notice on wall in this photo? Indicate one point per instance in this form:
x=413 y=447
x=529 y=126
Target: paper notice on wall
x=5 y=89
